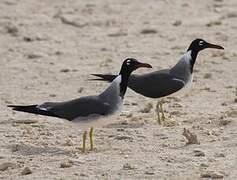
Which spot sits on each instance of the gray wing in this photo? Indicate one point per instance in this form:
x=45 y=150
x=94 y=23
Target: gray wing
x=81 y=107
x=156 y=84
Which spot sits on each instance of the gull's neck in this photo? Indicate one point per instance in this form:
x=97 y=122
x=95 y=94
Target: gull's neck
x=124 y=81
x=193 y=58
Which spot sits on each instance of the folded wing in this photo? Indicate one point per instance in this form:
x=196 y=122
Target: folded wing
x=156 y=84
x=81 y=107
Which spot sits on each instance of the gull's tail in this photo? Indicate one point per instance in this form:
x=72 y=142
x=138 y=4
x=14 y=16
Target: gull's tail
x=31 y=109
x=104 y=77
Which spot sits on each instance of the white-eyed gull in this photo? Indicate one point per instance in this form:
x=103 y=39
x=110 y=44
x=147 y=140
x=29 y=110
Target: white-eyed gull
x=89 y=108
x=164 y=82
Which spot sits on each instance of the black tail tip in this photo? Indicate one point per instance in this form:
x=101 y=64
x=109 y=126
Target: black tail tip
x=96 y=79
x=11 y=106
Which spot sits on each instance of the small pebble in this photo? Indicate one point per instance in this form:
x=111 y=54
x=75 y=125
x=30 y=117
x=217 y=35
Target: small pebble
x=124 y=138
x=135 y=118
x=120 y=130
x=198 y=153
x=128 y=166
x=134 y=104
x=26 y=171
x=6 y=165
x=117 y=34
x=129 y=115
x=191 y=137
x=232 y=113
x=219 y=155
x=232 y=15
x=207 y=75
x=224 y=122
x=212 y=174
x=64 y=70
x=68 y=142
x=149 y=173
x=224 y=104
x=204 y=165
x=33 y=56
x=213 y=23
x=66 y=164
x=12 y=29
x=217 y=175
x=177 y=23
x=25 y=121
x=104 y=49
x=70 y=21
x=147 y=108
x=52 y=95
x=148 y=31
x=58 y=53
x=80 y=90
x=211 y=160
x=83 y=175
x=28 y=39
x=170 y=123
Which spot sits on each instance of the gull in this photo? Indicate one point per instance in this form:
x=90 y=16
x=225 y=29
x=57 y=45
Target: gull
x=165 y=82
x=89 y=109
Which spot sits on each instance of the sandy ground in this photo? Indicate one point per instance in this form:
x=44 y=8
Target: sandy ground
x=49 y=48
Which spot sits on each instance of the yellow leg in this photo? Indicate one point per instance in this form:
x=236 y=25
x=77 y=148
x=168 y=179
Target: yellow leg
x=91 y=138
x=161 y=109
x=158 y=112
x=84 y=142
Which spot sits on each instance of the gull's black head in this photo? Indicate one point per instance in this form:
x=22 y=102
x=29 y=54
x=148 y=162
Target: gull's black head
x=131 y=64
x=128 y=66
x=200 y=44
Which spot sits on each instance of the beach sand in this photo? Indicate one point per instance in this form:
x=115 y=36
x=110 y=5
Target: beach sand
x=48 y=51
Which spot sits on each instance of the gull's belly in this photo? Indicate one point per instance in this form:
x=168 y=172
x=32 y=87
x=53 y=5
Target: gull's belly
x=97 y=120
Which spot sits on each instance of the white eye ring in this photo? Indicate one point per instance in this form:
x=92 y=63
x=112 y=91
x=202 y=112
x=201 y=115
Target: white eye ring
x=201 y=43
x=128 y=62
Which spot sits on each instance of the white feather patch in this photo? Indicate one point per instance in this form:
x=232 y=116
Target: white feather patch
x=186 y=57
x=179 y=80
x=42 y=108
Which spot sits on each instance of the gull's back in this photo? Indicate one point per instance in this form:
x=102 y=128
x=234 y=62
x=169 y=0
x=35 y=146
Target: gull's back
x=104 y=104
